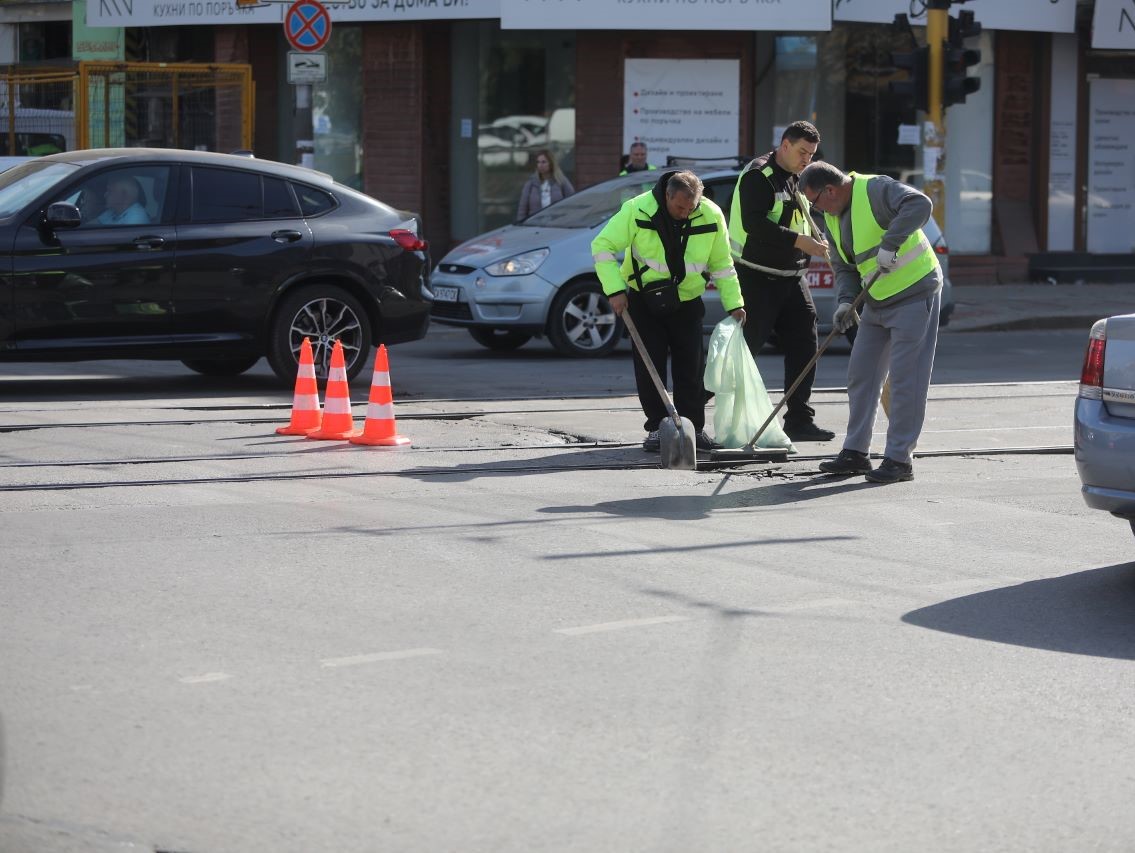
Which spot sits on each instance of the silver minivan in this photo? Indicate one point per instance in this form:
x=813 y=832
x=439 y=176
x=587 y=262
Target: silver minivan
x=536 y=278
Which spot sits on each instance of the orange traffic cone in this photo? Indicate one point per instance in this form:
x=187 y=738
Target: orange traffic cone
x=305 y=401
x=337 y=422
x=380 y=429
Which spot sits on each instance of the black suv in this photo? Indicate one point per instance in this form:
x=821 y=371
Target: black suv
x=212 y=259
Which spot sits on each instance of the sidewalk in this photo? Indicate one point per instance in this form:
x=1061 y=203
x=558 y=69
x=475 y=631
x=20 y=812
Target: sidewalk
x=1006 y=307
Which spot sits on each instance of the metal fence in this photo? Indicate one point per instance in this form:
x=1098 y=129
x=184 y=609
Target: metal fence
x=126 y=104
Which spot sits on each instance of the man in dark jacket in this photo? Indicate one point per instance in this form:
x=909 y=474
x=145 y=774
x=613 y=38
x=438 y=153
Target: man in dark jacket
x=772 y=235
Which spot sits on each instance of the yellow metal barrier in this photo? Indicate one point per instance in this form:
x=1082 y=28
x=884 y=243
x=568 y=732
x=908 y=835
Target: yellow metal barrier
x=127 y=104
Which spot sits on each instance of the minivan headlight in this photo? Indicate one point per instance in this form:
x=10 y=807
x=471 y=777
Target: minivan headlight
x=522 y=264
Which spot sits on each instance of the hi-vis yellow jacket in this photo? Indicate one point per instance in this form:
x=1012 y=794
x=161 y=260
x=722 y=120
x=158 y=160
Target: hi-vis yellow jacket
x=633 y=230
x=916 y=258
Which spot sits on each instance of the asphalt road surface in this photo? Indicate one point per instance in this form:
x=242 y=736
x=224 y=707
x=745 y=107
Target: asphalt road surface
x=523 y=635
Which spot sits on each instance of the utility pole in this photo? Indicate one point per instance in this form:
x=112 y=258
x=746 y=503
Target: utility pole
x=934 y=132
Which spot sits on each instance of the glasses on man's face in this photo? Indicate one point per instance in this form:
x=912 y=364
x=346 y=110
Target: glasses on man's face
x=814 y=200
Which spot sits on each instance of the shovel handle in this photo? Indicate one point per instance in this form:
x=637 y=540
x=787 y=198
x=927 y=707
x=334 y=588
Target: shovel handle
x=859 y=297
x=645 y=356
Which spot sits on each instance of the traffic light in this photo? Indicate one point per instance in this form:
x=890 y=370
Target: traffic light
x=915 y=88
x=958 y=58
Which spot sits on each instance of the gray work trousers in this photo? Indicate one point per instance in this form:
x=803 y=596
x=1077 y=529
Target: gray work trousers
x=901 y=339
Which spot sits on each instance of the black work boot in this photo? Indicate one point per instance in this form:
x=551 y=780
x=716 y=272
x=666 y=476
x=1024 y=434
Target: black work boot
x=652 y=443
x=808 y=431
x=890 y=471
x=848 y=462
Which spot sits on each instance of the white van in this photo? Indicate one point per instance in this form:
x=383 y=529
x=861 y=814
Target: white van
x=37 y=131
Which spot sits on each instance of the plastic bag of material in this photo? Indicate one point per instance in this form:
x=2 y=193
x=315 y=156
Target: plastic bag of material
x=741 y=403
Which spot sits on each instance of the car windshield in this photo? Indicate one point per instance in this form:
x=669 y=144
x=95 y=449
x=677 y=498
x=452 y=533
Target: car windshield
x=589 y=207
x=21 y=184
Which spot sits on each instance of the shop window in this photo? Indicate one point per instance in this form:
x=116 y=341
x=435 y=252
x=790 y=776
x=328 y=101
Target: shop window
x=45 y=43
x=527 y=105
x=336 y=109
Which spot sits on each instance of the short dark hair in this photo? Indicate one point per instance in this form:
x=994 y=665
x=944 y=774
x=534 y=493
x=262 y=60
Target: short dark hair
x=685 y=182
x=818 y=175
x=801 y=130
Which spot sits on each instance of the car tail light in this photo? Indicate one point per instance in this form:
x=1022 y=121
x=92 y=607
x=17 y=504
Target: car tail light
x=408 y=240
x=1091 y=376
x=942 y=249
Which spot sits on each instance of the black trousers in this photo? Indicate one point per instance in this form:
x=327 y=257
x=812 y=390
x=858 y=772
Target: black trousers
x=675 y=339
x=784 y=306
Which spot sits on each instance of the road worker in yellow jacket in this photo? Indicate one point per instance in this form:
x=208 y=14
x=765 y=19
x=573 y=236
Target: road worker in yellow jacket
x=874 y=225
x=673 y=240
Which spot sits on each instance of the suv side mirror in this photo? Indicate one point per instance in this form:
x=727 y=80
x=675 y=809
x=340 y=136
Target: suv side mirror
x=61 y=214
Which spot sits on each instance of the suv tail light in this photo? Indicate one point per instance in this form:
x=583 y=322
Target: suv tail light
x=408 y=240
x=1091 y=376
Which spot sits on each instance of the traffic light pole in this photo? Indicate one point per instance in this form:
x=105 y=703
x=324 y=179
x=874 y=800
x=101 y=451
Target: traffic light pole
x=934 y=135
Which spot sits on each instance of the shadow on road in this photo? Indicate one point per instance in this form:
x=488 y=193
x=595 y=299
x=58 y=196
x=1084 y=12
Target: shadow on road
x=95 y=387
x=692 y=507
x=1086 y=613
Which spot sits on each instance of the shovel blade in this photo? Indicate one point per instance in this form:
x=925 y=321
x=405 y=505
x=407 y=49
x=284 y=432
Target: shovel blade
x=677 y=446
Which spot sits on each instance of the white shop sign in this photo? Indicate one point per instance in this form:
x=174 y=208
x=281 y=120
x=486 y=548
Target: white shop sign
x=168 y=13
x=1113 y=24
x=1045 y=16
x=678 y=15
x=683 y=107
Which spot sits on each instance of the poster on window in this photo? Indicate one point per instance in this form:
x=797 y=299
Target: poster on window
x=682 y=107
x=1111 y=166
x=677 y=15
x=1042 y=16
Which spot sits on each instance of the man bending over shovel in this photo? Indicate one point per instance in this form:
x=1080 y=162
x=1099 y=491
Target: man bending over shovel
x=673 y=238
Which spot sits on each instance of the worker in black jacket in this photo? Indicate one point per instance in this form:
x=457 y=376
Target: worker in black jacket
x=771 y=234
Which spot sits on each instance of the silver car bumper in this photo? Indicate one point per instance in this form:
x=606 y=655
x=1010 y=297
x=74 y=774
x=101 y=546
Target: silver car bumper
x=1105 y=458
x=502 y=302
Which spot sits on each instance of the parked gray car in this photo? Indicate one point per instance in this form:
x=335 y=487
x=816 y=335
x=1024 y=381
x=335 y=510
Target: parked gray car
x=537 y=277
x=1104 y=434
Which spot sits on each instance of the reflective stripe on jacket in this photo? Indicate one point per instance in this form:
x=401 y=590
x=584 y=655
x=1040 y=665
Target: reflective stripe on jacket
x=800 y=221
x=916 y=257
x=631 y=230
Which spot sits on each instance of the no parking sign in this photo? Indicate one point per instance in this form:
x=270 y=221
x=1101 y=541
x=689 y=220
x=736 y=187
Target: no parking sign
x=307 y=25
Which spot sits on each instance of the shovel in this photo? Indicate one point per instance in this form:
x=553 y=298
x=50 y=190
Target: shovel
x=675 y=434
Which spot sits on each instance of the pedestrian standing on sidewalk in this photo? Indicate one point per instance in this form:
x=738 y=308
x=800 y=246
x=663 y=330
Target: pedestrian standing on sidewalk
x=772 y=236
x=874 y=223
x=673 y=238
x=547 y=185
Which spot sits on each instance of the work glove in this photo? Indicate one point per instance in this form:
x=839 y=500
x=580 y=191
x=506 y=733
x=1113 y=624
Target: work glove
x=844 y=318
x=886 y=260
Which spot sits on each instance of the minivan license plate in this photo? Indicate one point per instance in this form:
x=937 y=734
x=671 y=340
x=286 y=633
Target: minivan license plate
x=446 y=294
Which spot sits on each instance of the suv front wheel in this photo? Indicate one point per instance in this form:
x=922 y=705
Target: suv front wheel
x=582 y=323
x=322 y=313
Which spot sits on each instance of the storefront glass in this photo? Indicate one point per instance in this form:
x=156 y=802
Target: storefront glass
x=336 y=109
x=526 y=105
x=839 y=80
